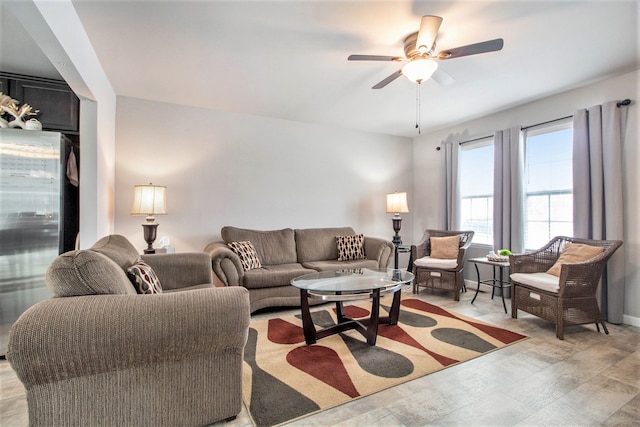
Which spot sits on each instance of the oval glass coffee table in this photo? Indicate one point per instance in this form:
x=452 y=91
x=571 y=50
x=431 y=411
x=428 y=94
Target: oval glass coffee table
x=349 y=285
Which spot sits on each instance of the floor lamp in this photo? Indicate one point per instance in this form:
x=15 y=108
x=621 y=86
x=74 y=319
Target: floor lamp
x=397 y=204
x=149 y=200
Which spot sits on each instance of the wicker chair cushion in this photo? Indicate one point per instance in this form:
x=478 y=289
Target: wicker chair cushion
x=430 y=262
x=445 y=247
x=573 y=253
x=543 y=281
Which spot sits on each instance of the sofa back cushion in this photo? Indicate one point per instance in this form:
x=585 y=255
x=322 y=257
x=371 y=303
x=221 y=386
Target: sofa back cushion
x=273 y=247
x=319 y=244
x=86 y=272
x=118 y=249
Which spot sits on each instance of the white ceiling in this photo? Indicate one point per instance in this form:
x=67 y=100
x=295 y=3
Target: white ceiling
x=288 y=59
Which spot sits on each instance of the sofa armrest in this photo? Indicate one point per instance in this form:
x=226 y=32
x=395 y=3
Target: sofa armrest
x=181 y=270
x=379 y=250
x=225 y=263
x=65 y=338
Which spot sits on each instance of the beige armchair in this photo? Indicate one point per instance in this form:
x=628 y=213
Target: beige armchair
x=434 y=271
x=568 y=296
x=100 y=354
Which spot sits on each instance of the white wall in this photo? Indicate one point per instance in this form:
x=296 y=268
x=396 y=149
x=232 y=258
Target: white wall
x=426 y=163
x=57 y=30
x=231 y=169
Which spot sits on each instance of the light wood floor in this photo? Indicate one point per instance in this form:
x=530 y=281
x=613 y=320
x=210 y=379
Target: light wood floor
x=589 y=379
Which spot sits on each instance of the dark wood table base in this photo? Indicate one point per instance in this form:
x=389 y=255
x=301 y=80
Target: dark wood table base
x=367 y=327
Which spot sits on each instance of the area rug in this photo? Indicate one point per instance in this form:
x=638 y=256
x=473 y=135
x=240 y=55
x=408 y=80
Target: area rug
x=284 y=379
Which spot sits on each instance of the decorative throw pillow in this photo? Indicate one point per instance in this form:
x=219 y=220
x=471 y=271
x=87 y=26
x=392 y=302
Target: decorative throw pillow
x=445 y=247
x=572 y=253
x=247 y=253
x=144 y=279
x=350 y=247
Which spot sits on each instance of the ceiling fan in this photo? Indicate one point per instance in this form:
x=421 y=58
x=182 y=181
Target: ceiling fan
x=419 y=49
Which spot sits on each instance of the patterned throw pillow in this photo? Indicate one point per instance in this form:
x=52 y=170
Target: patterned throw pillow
x=144 y=279
x=350 y=247
x=247 y=253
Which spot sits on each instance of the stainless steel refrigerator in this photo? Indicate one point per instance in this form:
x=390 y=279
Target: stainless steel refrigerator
x=33 y=195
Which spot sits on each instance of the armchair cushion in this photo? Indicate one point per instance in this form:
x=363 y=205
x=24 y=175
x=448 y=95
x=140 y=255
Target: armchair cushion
x=543 y=281
x=247 y=253
x=86 y=272
x=445 y=247
x=143 y=278
x=573 y=253
x=350 y=247
x=118 y=249
x=440 y=263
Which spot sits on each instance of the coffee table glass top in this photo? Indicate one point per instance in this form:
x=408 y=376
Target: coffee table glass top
x=352 y=280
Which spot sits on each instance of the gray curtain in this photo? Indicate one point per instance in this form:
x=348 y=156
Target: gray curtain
x=449 y=206
x=598 y=136
x=508 y=190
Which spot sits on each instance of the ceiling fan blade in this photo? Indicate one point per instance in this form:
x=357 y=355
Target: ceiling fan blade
x=442 y=77
x=374 y=58
x=388 y=80
x=472 y=49
x=429 y=26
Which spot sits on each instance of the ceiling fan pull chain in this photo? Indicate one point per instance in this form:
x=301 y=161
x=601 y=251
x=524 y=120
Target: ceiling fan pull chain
x=418 y=107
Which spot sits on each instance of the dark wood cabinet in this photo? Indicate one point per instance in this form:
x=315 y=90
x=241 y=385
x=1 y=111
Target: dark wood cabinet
x=4 y=85
x=59 y=106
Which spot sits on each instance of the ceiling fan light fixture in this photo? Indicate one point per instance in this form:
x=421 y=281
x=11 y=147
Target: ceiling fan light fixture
x=419 y=70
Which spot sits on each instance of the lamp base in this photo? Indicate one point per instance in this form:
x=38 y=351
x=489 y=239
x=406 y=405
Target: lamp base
x=397 y=223
x=150 y=232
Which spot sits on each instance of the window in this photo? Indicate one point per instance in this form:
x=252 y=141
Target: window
x=476 y=190
x=548 y=184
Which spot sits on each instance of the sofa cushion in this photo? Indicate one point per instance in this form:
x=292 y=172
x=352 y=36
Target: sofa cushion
x=247 y=253
x=271 y=276
x=572 y=253
x=118 y=249
x=189 y=288
x=350 y=247
x=445 y=247
x=319 y=244
x=86 y=272
x=273 y=247
x=143 y=278
x=341 y=265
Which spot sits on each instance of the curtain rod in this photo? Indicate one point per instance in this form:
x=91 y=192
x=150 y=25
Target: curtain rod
x=619 y=104
x=475 y=139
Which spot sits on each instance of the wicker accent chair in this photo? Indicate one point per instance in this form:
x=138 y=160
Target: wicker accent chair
x=569 y=299
x=437 y=273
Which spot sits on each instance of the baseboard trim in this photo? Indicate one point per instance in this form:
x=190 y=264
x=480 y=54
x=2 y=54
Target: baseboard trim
x=630 y=320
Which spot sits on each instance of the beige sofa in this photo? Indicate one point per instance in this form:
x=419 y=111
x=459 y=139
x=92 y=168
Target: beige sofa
x=99 y=354
x=284 y=255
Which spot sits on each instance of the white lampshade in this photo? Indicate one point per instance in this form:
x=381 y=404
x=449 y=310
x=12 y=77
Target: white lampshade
x=397 y=203
x=419 y=70
x=149 y=200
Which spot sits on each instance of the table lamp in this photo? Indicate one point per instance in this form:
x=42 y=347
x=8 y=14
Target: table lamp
x=149 y=200
x=397 y=204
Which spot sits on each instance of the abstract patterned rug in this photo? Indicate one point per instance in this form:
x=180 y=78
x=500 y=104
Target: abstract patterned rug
x=285 y=379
